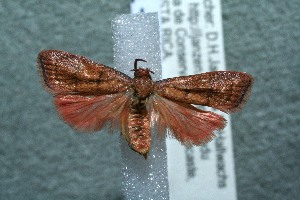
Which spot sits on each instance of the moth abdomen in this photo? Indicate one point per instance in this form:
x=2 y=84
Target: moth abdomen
x=139 y=127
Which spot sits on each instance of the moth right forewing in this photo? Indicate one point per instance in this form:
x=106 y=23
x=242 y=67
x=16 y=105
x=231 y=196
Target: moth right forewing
x=66 y=73
x=224 y=90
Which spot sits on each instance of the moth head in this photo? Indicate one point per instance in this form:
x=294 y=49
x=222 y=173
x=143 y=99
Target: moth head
x=138 y=72
x=142 y=72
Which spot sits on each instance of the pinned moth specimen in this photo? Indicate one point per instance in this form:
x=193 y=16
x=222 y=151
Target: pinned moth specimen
x=89 y=95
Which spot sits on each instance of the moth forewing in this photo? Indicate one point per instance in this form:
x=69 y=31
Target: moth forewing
x=227 y=91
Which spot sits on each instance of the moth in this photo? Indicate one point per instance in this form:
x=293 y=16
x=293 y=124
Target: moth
x=89 y=95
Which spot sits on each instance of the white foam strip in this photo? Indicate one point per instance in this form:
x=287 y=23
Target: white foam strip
x=137 y=36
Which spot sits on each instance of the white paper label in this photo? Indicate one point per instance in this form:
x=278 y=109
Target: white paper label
x=191 y=43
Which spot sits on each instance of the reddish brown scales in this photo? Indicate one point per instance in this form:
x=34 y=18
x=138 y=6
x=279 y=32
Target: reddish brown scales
x=223 y=90
x=67 y=73
x=88 y=95
x=138 y=122
x=139 y=128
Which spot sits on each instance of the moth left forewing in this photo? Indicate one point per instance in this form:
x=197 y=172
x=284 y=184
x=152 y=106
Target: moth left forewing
x=224 y=90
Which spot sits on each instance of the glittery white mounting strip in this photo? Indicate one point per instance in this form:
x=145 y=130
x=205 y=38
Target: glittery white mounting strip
x=137 y=36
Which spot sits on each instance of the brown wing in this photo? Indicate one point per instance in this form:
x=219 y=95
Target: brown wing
x=87 y=94
x=65 y=73
x=223 y=90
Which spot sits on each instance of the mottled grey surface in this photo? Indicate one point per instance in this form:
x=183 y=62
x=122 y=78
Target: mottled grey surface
x=42 y=158
x=263 y=38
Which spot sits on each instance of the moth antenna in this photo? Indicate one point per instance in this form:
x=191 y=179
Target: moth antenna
x=135 y=63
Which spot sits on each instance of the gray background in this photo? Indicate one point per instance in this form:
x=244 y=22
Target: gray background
x=42 y=158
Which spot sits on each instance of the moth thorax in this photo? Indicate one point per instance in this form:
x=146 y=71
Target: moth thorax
x=143 y=86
